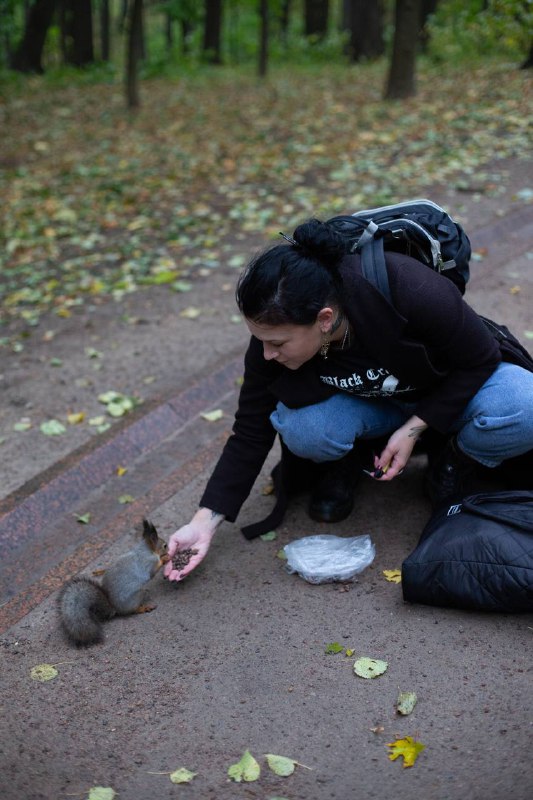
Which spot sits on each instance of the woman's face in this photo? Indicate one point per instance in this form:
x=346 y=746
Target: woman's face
x=290 y=345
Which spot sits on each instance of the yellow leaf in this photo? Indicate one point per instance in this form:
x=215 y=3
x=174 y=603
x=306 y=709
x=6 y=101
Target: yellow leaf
x=393 y=575
x=64 y=312
x=212 y=416
x=121 y=471
x=76 y=418
x=182 y=775
x=246 y=769
x=515 y=289
x=190 y=312
x=43 y=672
x=407 y=748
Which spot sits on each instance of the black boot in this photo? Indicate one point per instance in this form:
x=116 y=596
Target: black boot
x=332 y=496
x=451 y=475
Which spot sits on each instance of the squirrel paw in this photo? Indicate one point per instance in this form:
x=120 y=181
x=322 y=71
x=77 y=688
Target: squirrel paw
x=145 y=609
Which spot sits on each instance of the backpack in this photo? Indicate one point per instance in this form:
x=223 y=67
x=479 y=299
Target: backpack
x=418 y=228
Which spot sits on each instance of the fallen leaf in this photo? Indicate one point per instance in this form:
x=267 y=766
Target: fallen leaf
x=22 y=425
x=190 y=312
x=76 y=418
x=369 y=667
x=182 y=775
x=212 y=416
x=268 y=489
x=182 y=286
x=84 y=519
x=246 y=769
x=97 y=420
x=101 y=793
x=281 y=765
x=90 y=352
x=515 y=289
x=406 y=702
x=281 y=554
x=393 y=575
x=121 y=471
x=334 y=647
x=124 y=499
x=52 y=427
x=407 y=748
x=528 y=334
x=43 y=672
x=269 y=537
x=349 y=652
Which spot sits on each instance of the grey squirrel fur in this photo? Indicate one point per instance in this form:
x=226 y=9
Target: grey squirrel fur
x=84 y=604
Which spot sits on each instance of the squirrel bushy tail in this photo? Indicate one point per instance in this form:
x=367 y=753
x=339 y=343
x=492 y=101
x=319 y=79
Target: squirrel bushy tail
x=83 y=606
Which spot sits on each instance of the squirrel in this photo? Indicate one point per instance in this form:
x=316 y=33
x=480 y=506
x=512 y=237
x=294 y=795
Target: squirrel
x=83 y=603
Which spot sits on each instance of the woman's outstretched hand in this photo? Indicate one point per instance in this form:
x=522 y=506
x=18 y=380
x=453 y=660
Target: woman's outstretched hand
x=189 y=544
x=397 y=452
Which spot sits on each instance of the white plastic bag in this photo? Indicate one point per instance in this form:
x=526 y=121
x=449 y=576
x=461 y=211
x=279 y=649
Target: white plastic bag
x=326 y=558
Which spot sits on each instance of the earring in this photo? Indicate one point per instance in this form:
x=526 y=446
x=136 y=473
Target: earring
x=325 y=348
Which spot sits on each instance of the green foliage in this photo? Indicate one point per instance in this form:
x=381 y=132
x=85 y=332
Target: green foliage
x=481 y=28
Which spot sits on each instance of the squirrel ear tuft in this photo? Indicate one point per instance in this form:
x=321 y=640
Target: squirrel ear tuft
x=149 y=530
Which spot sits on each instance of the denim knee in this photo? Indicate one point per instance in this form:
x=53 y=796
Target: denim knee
x=305 y=432
x=498 y=422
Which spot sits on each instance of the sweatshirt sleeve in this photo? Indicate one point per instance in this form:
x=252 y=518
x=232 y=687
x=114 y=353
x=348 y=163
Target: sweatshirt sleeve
x=456 y=340
x=251 y=440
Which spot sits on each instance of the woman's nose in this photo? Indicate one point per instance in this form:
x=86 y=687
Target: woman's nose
x=269 y=352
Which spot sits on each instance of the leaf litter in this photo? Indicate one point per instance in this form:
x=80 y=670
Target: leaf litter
x=77 y=233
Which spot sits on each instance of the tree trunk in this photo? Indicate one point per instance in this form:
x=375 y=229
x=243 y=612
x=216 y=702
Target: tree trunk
x=105 y=30
x=284 y=16
x=169 y=31
x=401 y=81
x=123 y=16
x=77 y=32
x=364 y=21
x=28 y=55
x=316 y=17
x=187 y=27
x=132 y=53
x=263 y=38
x=427 y=7
x=212 y=31
x=528 y=63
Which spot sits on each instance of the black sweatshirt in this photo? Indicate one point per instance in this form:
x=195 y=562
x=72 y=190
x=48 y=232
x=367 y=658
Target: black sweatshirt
x=431 y=345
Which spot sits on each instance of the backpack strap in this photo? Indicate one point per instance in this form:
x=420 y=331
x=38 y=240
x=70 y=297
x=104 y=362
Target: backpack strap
x=373 y=265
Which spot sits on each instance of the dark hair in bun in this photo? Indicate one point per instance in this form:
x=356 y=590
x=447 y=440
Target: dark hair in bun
x=290 y=284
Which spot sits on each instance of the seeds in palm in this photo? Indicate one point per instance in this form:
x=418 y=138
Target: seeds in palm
x=182 y=557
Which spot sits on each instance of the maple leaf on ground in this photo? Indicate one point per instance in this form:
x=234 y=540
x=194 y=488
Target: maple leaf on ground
x=407 y=748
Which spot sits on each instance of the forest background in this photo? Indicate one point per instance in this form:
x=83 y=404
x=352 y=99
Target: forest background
x=138 y=137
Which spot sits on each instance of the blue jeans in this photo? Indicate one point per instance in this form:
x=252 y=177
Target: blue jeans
x=497 y=423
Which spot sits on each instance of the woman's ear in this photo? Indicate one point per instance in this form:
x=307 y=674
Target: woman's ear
x=325 y=319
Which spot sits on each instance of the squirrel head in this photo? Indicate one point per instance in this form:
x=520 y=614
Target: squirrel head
x=152 y=539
